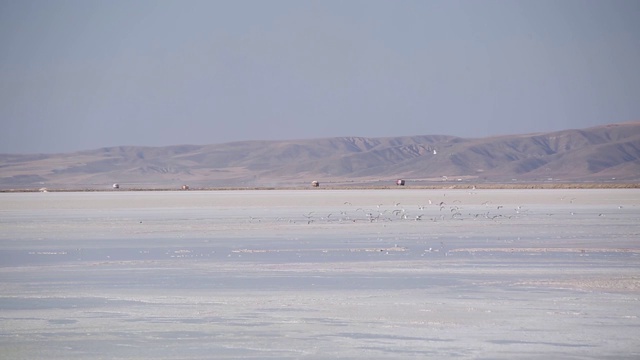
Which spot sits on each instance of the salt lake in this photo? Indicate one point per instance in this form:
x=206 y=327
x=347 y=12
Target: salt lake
x=353 y=274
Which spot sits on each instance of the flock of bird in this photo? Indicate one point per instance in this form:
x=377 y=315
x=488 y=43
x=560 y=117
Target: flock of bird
x=434 y=211
x=439 y=211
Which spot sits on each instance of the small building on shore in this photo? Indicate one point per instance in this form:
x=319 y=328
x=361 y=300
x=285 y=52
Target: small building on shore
x=400 y=182
x=185 y=187
x=116 y=186
x=315 y=183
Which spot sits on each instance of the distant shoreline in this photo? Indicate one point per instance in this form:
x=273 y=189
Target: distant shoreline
x=449 y=186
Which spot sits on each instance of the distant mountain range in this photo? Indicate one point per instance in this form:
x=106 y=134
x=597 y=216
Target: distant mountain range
x=597 y=154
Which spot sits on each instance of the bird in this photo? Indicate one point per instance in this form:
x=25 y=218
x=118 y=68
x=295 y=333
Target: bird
x=397 y=212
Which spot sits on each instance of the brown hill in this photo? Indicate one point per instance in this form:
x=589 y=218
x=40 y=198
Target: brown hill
x=602 y=153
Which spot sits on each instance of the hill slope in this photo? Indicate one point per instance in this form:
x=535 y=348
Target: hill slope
x=593 y=154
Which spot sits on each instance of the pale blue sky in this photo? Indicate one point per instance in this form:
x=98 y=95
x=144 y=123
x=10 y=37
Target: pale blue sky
x=85 y=74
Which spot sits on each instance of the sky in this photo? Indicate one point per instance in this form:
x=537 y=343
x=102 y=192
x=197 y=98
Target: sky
x=86 y=74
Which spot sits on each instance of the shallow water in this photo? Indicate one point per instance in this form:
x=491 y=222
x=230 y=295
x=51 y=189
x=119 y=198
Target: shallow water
x=347 y=273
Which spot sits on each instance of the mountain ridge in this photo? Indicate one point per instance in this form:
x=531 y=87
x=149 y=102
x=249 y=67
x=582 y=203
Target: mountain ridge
x=600 y=153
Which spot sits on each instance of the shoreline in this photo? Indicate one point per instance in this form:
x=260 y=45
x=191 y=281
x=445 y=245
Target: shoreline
x=447 y=186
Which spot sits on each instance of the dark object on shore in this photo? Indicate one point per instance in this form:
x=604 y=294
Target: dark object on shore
x=315 y=183
x=400 y=182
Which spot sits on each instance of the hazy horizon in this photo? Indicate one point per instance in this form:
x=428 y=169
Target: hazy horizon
x=80 y=75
